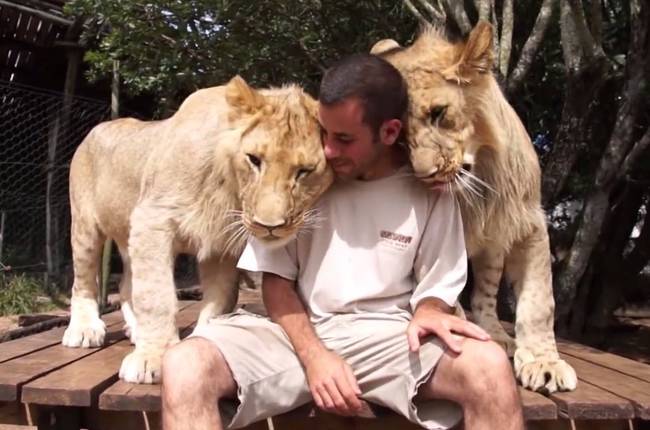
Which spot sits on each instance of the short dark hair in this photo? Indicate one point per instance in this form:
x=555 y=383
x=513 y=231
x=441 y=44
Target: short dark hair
x=380 y=87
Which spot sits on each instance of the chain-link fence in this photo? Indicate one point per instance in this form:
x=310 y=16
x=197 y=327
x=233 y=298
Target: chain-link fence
x=39 y=132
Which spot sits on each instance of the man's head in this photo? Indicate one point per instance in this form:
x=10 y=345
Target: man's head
x=363 y=105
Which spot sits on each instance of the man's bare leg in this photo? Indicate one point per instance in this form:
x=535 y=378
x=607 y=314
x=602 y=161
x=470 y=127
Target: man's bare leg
x=481 y=380
x=195 y=377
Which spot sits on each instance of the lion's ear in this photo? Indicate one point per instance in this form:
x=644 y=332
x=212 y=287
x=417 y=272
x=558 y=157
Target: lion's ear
x=475 y=56
x=384 y=45
x=242 y=97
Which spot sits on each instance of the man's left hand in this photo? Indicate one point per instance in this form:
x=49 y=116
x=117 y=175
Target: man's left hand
x=429 y=318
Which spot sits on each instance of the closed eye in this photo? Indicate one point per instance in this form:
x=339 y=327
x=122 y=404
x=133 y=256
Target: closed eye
x=437 y=113
x=254 y=160
x=302 y=172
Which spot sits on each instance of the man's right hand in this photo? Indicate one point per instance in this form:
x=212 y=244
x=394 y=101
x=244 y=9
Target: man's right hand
x=332 y=384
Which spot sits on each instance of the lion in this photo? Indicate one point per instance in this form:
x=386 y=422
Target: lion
x=232 y=162
x=463 y=135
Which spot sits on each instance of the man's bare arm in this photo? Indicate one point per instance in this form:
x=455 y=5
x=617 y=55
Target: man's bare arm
x=286 y=309
x=330 y=378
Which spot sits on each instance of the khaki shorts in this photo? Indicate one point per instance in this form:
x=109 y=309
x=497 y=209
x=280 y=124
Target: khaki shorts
x=271 y=380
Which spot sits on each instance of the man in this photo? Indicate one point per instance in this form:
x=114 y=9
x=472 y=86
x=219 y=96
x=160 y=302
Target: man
x=361 y=306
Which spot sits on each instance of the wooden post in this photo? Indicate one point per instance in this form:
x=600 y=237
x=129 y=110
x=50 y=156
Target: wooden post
x=3 y=217
x=60 y=123
x=108 y=244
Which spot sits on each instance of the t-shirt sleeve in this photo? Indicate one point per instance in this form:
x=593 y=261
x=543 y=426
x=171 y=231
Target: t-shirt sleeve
x=440 y=267
x=281 y=261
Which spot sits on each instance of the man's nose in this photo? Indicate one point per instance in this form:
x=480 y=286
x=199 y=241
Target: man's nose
x=330 y=150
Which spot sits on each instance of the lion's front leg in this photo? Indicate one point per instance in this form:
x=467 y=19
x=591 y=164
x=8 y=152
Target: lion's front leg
x=153 y=294
x=487 y=267
x=218 y=276
x=537 y=362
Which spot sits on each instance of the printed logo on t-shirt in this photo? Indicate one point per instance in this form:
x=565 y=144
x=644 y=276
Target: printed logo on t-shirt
x=395 y=240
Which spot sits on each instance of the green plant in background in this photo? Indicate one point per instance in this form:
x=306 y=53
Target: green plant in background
x=19 y=295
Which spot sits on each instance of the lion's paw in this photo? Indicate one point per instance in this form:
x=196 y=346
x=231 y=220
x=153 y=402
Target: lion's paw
x=84 y=332
x=142 y=367
x=129 y=331
x=542 y=374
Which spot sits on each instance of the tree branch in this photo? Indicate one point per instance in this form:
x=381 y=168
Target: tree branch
x=483 y=10
x=456 y=9
x=505 y=46
x=435 y=14
x=415 y=12
x=532 y=45
x=568 y=34
x=589 y=46
x=596 y=14
x=637 y=150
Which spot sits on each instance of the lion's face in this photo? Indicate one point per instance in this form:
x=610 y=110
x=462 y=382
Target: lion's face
x=280 y=166
x=442 y=116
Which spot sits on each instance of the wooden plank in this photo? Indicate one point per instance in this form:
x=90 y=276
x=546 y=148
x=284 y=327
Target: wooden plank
x=621 y=385
x=79 y=383
x=16 y=427
x=632 y=368
x=536 y=406
x=591 y=402
x=26 y=345
x=17 y=372
x=124 y=396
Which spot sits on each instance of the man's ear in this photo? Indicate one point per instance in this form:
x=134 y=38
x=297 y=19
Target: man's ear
x=389 y=131
x=244 y=99
x=475 y=56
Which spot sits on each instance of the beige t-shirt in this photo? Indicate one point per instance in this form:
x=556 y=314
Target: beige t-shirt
x=380 y=247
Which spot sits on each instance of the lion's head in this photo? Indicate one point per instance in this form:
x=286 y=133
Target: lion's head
x=445 y=81
x=280 y=165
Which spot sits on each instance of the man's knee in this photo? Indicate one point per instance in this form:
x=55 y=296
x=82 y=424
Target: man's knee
x=485 y=369
x=208 y=371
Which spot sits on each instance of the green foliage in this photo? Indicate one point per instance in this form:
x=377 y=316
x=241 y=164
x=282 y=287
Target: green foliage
x=170 y=48
x=18 y=295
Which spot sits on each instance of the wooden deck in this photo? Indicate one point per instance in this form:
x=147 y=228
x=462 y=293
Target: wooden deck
x=46 y=385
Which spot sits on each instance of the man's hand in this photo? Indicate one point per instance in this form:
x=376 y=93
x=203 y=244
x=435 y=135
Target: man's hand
x=332 y=384
x=431 y=317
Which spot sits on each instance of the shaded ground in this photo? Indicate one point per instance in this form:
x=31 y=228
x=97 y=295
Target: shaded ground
x=630 y=338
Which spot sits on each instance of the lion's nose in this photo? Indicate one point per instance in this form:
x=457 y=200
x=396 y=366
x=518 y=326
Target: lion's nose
x=269 y=224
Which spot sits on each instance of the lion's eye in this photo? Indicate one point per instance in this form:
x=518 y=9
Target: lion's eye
x=437 y=113
x=255 y=161
x=301 y=173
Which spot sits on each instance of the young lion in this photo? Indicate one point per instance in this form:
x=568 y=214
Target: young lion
x=463 y=134
x=231 y=162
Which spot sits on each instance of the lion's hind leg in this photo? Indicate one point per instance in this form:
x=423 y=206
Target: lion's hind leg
x=86 y=329
x=487 y=267
x=537 y=362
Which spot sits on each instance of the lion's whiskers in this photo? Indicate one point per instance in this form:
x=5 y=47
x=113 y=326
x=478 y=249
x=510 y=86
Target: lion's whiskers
x=472 y=177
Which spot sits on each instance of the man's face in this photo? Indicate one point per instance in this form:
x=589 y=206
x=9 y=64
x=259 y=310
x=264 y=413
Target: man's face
x=351 y=147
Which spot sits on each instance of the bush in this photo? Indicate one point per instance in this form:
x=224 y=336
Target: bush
x=18 y=295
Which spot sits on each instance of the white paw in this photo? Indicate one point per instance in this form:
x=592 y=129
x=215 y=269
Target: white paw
x=84 y=332
x=129 y=331
x=543 y=374
x=142 y=367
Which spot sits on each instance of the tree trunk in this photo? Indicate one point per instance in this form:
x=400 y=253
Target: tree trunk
x=621 y=141
x=529 y=51
x=582 y=97
x=605 y=289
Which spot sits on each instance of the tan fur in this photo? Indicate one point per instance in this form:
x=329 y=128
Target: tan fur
x=505 y=227
x=188 y=184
